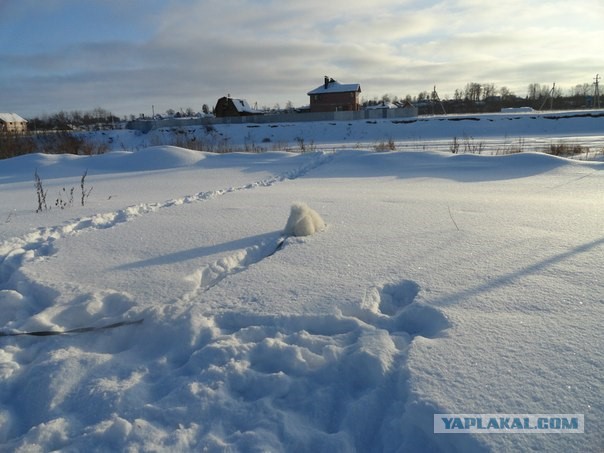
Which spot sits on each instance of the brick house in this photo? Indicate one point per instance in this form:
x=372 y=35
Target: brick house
x=13 y=123
x=334 y=96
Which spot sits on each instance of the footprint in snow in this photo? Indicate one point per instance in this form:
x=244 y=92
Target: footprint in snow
x=394 y=307
x=331 y=373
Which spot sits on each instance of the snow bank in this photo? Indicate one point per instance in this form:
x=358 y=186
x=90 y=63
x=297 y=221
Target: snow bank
x=517 y=110
x=61 y=166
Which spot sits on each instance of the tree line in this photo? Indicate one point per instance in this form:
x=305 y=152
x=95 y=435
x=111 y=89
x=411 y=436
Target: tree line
x=487 y=97
x=97 y=118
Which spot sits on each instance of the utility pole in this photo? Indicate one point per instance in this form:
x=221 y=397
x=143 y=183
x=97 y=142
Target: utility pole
x=597 y=91
x=550 y=96
x=435 y=98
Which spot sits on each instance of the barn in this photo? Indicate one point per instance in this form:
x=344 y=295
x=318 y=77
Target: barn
x=334 y=96
x=12 y=123
x=227 y=106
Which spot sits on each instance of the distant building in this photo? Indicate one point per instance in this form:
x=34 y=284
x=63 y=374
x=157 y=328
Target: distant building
x=227 y=106
x=381 y=105
x=13 y=123
x=334 y=96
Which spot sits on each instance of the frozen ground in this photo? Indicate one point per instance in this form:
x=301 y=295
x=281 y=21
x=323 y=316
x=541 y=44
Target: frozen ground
x=441 y=284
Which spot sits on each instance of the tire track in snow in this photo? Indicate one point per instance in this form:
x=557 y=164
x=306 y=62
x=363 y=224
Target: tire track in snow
x=18 y=251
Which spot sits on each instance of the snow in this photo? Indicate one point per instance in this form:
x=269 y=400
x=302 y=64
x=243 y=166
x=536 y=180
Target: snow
x=517 y=110
x=381 y=105
x=441 y=283
x=242 y=106
x=498 y=133
x=334 y=86
x=11 y=118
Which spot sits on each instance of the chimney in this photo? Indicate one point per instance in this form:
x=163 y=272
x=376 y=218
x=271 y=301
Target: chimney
x=326 y=82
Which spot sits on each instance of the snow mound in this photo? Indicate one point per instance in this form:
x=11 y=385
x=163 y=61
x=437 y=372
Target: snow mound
x=152 y=158
x=303 y=221
x=51 y=166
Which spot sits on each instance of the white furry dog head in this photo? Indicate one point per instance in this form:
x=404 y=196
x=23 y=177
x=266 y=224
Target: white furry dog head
x=303 y=221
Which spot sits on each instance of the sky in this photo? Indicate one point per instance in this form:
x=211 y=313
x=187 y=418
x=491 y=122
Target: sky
x=135 y=56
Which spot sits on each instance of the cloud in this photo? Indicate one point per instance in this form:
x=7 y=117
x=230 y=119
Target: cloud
x=183 y=53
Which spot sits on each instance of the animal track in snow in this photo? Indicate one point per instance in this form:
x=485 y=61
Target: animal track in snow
x=37 y=307
x=40 y=240
x=212 y=274
x=17 y=251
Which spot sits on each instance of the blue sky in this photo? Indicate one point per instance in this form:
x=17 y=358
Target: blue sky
x=127 y=55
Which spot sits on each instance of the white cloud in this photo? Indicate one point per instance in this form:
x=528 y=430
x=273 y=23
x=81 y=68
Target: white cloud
x=269 y=51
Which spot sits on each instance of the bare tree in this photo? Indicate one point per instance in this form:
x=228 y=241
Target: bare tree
x=488 y=90
x=423 y=96
x=473 y=91
x=505 y=93
x=537 y=91
x=581 y=90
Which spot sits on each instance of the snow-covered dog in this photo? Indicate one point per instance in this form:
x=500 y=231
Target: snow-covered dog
x=303 y=221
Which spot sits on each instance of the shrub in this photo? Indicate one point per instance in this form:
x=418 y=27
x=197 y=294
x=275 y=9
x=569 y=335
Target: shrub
x=566 y=149
x=68 y=143
x=468 y=146
x=388 y=145
x=305 y=147
x=454 y=147
x=13 y=145
x=64 y=198
x=40 y=193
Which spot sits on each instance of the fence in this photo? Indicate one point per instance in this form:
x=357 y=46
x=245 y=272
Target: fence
x=145 y=126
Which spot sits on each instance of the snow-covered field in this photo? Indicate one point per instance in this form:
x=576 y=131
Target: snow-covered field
x=441 y=284
x=498 y=133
